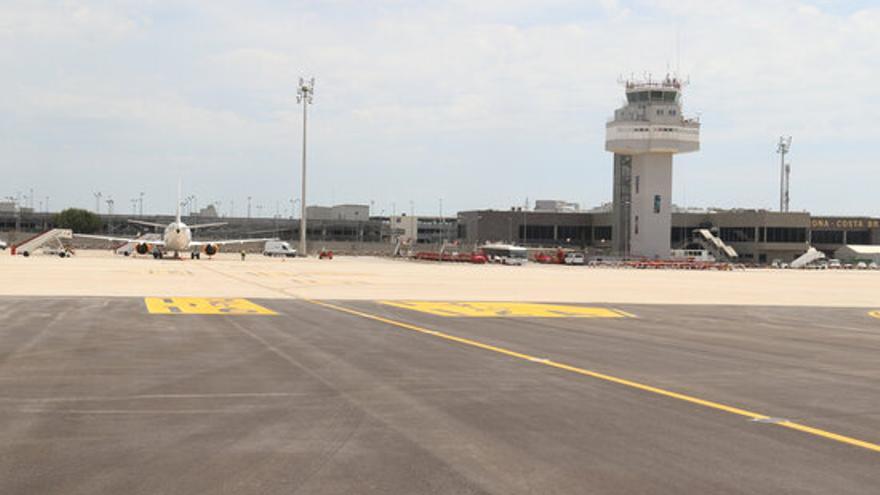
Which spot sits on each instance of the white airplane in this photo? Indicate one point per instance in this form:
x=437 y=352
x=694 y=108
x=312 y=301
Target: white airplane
x=177 y=238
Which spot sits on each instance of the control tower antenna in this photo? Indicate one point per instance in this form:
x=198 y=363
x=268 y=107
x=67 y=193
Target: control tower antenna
x=678 y=52
x=783 y=148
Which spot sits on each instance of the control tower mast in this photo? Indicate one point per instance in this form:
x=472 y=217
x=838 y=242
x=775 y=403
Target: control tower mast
x=643 y=135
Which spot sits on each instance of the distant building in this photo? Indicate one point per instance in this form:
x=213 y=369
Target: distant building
x=422 y=230
x=758 y=236
x=347 y=212
x=556 y=206
x=209 y=211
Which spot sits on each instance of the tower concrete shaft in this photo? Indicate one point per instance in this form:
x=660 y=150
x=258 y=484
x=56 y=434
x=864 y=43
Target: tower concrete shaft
x=643 y=135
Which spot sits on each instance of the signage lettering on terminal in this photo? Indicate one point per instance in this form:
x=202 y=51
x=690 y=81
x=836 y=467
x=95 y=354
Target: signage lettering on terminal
x=845 y=223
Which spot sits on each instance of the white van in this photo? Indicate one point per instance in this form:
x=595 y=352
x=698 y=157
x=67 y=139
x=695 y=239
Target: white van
x=278 y=248
x=574 y=259
x=505 y=254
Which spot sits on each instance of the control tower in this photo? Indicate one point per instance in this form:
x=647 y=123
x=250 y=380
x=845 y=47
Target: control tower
x=643 y=135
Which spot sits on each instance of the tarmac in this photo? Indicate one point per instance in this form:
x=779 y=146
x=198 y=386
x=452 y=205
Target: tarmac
x=99 y=273
x=236 y=393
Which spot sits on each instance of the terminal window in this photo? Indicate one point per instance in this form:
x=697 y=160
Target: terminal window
x=536 y=232
x=786 y=234
x=602 y=233
x=737 y=234
x=858 y=237
x=572 y=233
x=827 y=236
x=656 y=203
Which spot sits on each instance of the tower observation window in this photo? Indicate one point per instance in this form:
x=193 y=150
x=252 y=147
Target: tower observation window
x=669 y=96
x=656 y=95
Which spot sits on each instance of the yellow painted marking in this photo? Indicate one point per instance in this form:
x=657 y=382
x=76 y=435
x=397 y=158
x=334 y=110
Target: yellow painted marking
x=875 y=314
x=505 y=309
x=204 y=306
x=609 y=378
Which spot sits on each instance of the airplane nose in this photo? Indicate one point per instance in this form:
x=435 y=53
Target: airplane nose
x=178 y=231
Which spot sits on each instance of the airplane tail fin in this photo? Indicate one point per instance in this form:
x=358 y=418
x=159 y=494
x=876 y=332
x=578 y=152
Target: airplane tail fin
x=178 y=201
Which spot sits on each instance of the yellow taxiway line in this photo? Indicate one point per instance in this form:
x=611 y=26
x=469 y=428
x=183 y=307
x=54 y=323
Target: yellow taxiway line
x=609 y=378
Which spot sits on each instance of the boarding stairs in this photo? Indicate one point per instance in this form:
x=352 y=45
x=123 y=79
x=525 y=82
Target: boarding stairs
x=714 y=245
x=50 y=239
x=811 y=256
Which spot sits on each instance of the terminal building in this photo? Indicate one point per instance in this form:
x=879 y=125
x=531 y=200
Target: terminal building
x=758 y=236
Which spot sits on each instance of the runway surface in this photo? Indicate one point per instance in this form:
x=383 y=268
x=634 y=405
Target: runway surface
x=101 y=395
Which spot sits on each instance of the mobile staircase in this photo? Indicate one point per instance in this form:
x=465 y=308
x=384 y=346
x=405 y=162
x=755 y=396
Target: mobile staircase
x=812 y=255
x=49 y=241
x=715 y=246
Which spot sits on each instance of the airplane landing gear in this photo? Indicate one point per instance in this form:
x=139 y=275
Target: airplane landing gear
x=196 y=255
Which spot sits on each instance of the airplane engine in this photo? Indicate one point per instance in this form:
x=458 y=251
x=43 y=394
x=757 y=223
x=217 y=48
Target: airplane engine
x=211 y=249
x=142 y=248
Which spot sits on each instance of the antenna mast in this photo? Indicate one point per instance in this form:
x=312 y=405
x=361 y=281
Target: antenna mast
x=783 y=148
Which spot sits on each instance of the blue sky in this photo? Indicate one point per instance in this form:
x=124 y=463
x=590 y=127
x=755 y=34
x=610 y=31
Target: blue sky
x=482 y=104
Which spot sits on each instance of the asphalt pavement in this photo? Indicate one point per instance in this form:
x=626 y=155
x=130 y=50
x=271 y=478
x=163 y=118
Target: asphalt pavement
x=98 y=395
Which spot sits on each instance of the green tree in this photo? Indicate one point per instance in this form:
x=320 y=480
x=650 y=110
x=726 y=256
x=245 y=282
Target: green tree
x=78 y=220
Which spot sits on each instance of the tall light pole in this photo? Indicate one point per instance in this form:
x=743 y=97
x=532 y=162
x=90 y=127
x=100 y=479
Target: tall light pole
x=141 y=205
x=783 y=148
x=98 y=202
x=304 y=94
x=249 y=206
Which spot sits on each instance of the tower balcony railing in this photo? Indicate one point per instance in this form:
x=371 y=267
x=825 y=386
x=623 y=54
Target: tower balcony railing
x=687 y=122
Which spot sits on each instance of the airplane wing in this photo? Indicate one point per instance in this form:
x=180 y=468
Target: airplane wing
x=120 y=239
x=148 y=224
x=228 y=242
x=205 y=225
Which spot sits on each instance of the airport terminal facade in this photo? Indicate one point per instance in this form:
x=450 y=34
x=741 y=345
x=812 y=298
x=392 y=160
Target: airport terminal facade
x=759 y=236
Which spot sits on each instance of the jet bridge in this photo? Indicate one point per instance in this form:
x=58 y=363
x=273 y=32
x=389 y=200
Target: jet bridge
x=49 y=241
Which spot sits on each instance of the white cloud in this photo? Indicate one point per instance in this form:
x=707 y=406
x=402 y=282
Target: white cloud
x=405 y=85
